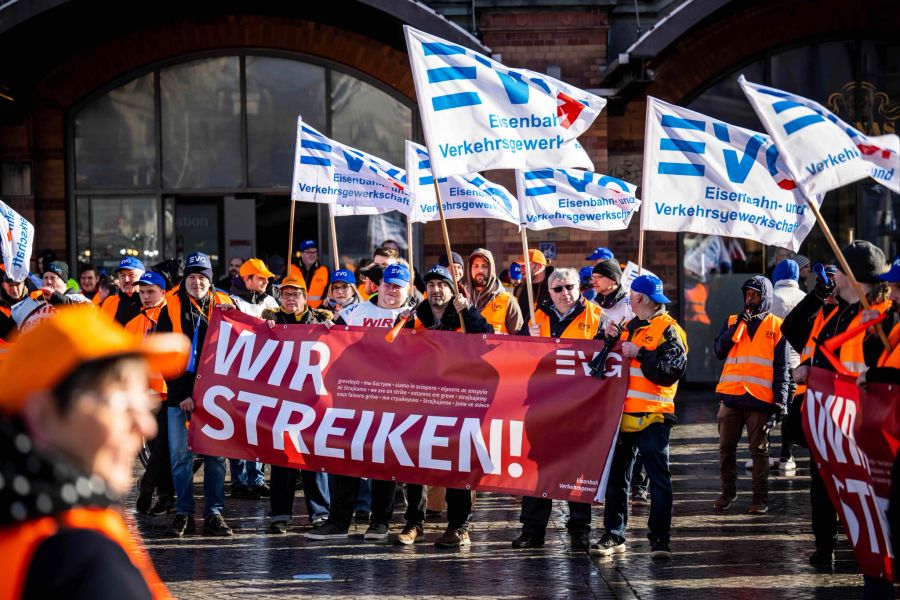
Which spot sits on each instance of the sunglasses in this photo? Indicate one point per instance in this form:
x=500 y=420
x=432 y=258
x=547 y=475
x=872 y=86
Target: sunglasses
x=558 y=289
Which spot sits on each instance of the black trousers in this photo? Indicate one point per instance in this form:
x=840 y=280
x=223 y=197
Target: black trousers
x=343 y=501
x=824 y=517
x=536 y=514
x=459 y=506
x=158 y=475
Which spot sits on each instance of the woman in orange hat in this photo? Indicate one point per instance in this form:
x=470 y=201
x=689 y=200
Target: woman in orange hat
x=70 y=429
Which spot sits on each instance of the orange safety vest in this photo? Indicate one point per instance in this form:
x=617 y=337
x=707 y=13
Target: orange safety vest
x=494 y=312
x=315 y=291
x=695 y=304
x=173 y=307
x=851 y=354
x=19 y=543
x=110 y=305
x=643 y=395
x=584 y=326
x=892 y=358
x=140 y=327
x=749 y=367
x=363 y=295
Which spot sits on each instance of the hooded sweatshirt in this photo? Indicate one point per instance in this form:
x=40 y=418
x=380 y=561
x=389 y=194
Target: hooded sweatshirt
x=492 y=290
x=251 y=303
x=781 y=380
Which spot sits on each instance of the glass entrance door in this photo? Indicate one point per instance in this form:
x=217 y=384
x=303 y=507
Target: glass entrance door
x=198 y=228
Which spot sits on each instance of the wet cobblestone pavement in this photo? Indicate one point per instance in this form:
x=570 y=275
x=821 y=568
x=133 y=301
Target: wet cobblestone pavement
x=730 y=555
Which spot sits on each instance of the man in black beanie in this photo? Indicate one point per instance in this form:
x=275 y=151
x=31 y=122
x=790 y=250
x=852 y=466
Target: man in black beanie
x=606 y=280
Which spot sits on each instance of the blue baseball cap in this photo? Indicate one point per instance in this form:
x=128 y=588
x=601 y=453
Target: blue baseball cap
x=396 y=274
x=151 y=278
x=307 y=244
x=515 y=271
x=198 y=262
x=343 y=276
x=584 y=273
x=893 y=275
x=130 y=263
x=600 y=253
x=651 y=286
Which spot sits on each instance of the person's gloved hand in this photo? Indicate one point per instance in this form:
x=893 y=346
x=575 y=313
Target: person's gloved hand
x=745 y=316
x=823 y=290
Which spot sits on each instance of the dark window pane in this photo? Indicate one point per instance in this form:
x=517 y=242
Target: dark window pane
x=724 y=100
x=121 y=226
x=801 y=70
x=277 y=91
x=83 y=229
x=201 y=127
x=197 y=228
x=115 y=138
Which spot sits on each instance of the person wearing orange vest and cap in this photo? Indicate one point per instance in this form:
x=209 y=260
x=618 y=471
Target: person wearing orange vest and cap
x=808 y=327
x=313 y=273
x=657 y=347
x=754 y=386
x=496 y=305
x=70 y=429
x=125 y=305
x=565 y=315
x=188 y=312
x=540 y=273
x=151 y=288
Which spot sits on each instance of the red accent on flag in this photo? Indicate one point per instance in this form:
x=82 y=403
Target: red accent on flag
x=568 y=109
x=787 y=184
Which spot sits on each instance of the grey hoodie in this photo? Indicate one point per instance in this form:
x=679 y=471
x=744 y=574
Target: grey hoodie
x=492 y=290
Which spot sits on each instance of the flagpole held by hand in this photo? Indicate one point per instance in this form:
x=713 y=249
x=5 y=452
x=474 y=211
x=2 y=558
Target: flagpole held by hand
x=437 y=191
x=334 y=244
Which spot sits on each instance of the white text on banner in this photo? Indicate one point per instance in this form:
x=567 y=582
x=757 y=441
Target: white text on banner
x=821 y=151
x=479 y=114
x=329 y=172
x=571 y=198
x=705 y=176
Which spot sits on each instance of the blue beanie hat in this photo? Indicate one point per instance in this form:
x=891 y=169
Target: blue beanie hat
x=786 y=269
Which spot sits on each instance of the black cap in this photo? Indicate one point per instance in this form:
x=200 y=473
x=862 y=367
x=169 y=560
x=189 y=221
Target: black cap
x=440 y=273
x=373 y=271
x=60 y=268
x=609 y=268
x=457 y=260
x=865 y=259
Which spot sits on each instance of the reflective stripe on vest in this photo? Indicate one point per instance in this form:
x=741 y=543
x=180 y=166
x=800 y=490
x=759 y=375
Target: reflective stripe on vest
x=643 y=395
x=584 y=326
x=494 y=312
x=749 y=366
x=18 y=544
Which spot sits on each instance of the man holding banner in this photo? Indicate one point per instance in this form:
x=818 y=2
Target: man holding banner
x=842 y=343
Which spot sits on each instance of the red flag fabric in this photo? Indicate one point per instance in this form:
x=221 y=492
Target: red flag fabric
x=853 y=438
x=501 y=413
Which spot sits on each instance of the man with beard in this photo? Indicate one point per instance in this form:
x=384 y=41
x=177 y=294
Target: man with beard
x=486 y=292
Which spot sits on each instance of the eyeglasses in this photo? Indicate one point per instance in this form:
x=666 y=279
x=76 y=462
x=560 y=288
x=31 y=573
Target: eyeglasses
x=295 y=295
x=558 y=289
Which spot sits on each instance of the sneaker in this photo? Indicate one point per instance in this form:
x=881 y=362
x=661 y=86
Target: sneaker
x=144 y=500
x=660 y=550
x=183 y=524
x=411 y=534
x=724 y=501
x=377 y=532
x=163 y=506
x=261 y=491
x=608 y=545
x=640 y=498
x=822 y=558
x=580 y=541
x=327 y=531
x=319 y=521
x=528 y=540
x=216 y=525
x=749 y=464
x=759 y=505
x=278 y=527
x=453 y=538
x=362 y=516
x=243 y=492
x=787 y=464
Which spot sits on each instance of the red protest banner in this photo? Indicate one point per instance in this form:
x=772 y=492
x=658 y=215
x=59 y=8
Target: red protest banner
x=510 y=414
x=853 y=438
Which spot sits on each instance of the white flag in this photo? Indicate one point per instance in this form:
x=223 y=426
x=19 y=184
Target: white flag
x=630 y=273
x=329 y=172
x=705 y=176
x=463 y=196
x=551 y=198
x=16 y=240
x=478 y=114
x=821 y=151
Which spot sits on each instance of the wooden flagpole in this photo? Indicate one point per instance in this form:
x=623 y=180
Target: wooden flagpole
x=437 y=191
x=528 y=274
x=334 y=243
x=409 y=245
x=290 y=241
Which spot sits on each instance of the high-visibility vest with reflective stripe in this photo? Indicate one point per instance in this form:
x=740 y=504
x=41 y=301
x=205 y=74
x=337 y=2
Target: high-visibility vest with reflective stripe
x=140 y=327
x=173 y=307
x=809 y=349
x=19 y=543
x=643 y=395
x=892 y=358
x=494 y=312
x=749 y=367
x=584 y=326
x=315 y=290
x=695 y=304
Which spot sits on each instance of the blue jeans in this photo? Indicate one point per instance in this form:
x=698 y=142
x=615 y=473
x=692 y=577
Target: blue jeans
x=246 y=472
x=364 y=498
x=653 y=444
x=315 y=492
x=183 y=472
